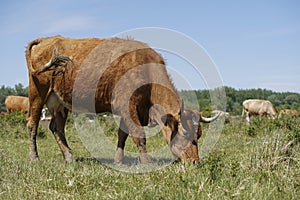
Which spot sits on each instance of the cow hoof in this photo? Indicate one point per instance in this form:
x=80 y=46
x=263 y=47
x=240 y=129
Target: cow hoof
x=145 y=159
x=33 y=157
x=36 y=159
x=69 y=158
x=118 y=160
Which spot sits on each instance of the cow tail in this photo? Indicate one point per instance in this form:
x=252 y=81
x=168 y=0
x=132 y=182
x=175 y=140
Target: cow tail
x=28 y=54
x=57 y=63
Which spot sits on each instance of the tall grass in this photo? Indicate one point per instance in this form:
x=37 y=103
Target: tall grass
x=259 y=161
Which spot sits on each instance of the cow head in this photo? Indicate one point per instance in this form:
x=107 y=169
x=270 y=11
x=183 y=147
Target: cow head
x=182 y=133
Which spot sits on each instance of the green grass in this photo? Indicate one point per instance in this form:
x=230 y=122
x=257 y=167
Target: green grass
x=260 y=161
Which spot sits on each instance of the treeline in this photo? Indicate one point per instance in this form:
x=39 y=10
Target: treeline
x=202 y=99
x=18 y=90
x=235 y=98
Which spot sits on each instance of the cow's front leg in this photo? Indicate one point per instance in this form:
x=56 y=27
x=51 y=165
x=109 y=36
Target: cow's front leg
x=57 y=126
x=122 y=136
x=139 y=138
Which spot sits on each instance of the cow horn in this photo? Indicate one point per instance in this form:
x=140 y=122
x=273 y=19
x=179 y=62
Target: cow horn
x=211 y=119
x=181 y=107
x=195 y=122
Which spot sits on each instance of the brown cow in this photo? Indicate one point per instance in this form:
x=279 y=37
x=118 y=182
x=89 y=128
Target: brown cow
x=291 y=112
x=16 y=103
x=125 y=77
x=258 y=107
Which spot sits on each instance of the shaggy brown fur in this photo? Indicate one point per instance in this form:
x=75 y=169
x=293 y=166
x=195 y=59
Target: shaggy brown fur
x=134 y=78
x=16 y=103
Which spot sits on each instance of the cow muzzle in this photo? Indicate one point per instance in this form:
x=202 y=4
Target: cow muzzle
x=185 y=148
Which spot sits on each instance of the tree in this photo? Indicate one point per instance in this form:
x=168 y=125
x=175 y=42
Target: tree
x=292 y=99
x=275 y=100
x=18 y=90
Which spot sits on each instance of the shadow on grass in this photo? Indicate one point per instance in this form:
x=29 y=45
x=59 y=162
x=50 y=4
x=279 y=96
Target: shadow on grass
x=130 y=164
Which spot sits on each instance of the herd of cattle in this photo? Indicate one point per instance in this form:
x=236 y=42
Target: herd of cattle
x=133 y=84
x=251 y=107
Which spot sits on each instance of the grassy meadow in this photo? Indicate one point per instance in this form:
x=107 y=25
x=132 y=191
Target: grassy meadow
x=259 y=161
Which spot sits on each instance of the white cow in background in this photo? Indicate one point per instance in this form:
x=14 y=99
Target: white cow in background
x=44 y=111
x=258 y=107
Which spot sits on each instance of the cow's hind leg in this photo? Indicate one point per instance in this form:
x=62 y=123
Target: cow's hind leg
x=122 y=136
x=32 y=127
x=247 y=118
x=57 y=126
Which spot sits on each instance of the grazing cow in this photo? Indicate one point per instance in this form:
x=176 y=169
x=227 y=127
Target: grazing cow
x=290 y=112
x=17 y=103
x=258 y=107
x=64 y=75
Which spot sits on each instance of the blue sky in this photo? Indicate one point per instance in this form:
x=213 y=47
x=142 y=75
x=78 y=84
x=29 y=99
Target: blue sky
x=254 y=43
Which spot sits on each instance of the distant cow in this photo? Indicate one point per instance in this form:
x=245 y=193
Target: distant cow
x=289 y=112
x=44 y=111
x=64 y=75
x=17 y=103
x=258 y=107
